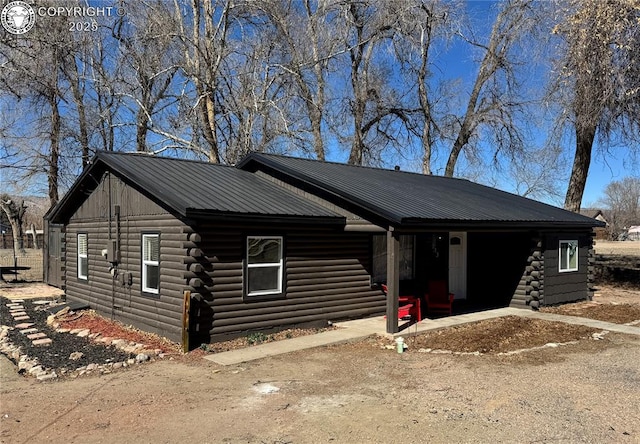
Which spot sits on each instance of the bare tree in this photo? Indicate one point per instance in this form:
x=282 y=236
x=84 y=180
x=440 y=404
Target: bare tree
x=204 y=33
x=15 y=214
x=493 y=101
x=538 y=175
x=304 y=31
x=32 y=73
x=598 y=85
x=622 y=200
x=421 y=25
x=148 y=48
x=374 y=106
x=103 y=68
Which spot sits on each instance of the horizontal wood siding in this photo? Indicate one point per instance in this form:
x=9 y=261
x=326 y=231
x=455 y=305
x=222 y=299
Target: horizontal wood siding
x=572 y=285
x=114 y=297
x=327 y=276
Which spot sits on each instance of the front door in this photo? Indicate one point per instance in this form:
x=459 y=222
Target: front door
x=458 y=264
x=53 y=250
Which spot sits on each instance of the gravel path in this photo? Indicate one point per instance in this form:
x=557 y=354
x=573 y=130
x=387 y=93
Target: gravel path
x=56 y=357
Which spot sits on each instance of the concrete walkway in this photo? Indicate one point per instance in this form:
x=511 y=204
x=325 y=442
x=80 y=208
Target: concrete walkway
x=362 y=328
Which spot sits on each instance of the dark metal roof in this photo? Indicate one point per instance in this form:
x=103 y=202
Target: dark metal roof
x=192 y=188
x=403 y=198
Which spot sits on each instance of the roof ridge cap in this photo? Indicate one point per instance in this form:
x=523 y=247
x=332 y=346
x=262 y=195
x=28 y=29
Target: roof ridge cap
x=367 y=167
x=146 y=155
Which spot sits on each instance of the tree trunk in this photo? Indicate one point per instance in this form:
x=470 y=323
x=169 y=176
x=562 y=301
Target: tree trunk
x=358 y=85
x=15 y=215
x=423 y=92
x=141 y=130
x=580 y=170
x=35 y=237
x=74 y=81
x=316 y=130
x=54 y=155
x=461 y=141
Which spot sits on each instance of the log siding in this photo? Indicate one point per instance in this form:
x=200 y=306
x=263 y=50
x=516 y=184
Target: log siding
x=120 y=297
x=530 y=290
x=327 y=277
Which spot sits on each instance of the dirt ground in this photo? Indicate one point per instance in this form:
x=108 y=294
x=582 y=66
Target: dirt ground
x=587 y=391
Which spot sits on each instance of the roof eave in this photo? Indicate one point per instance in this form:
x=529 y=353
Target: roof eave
x=495 y=224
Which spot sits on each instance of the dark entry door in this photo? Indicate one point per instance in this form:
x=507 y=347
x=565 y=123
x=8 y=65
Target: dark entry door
x=55 y=248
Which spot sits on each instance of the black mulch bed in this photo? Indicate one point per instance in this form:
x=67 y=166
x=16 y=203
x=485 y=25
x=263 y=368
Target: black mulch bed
x=56 y=355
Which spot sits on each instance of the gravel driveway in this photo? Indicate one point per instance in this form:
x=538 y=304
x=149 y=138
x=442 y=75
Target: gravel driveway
x=587 y=392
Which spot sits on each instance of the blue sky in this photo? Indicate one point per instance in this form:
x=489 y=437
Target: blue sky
x=616 y=164
x=458 y=61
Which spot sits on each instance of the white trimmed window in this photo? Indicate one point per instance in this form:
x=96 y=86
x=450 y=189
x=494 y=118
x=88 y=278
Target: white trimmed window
x=264 y=265
x=151 y=263
x=83 y=259
x=568 y=255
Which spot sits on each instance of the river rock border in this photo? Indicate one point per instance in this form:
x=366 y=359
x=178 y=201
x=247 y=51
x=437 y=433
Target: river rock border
x=29 y=366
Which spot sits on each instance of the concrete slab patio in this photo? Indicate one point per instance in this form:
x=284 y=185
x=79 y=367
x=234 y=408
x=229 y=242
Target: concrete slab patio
x=362 y=328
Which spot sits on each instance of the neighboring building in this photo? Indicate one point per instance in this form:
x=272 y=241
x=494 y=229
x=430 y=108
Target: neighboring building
x=599 y=215
x=279 y=241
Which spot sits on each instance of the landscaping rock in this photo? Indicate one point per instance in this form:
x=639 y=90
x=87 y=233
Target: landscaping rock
x=83 y=333
x=38 y=335
x=76 y=355
x=46 y=376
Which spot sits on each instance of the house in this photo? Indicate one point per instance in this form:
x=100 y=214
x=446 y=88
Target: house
x=278 y=241
x=595 y=213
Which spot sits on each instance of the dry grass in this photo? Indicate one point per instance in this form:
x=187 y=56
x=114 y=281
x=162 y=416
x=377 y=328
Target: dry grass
x=626 y=248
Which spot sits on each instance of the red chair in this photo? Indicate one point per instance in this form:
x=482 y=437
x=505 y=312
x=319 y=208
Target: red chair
x=409 y=306
x=438 y=298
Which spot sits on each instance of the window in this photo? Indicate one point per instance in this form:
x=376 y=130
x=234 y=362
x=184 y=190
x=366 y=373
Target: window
x=407 y=245
x=151 y=263
x=83 y=260
x=569 y=255
x=264 y=266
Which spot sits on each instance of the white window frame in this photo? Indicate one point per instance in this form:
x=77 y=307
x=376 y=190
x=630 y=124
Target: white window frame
x=83 y=257
x=279 y=264
x=568 y=258
x=146 y=263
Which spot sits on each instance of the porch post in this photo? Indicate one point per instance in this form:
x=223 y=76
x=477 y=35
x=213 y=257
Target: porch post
x=393 y=279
